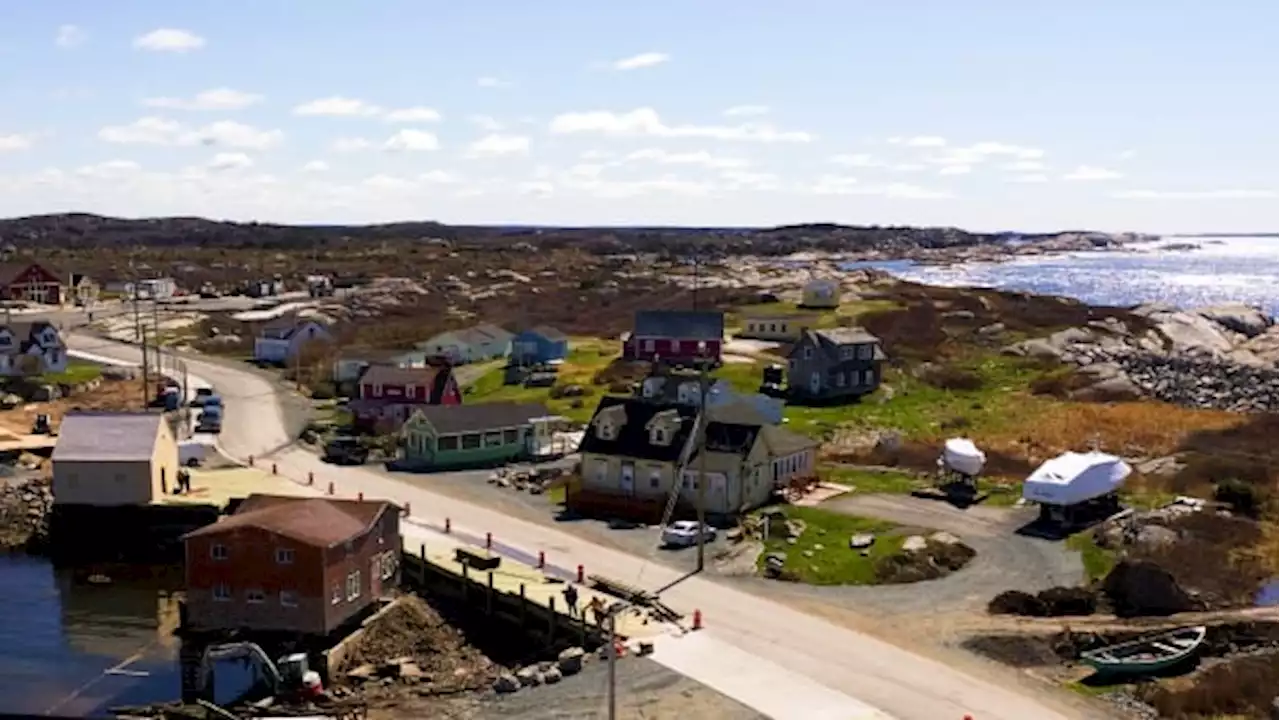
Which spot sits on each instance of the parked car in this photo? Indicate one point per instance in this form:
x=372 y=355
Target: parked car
x=346 y=451
x=684 y=533
x=210 y=421
x=202 y=395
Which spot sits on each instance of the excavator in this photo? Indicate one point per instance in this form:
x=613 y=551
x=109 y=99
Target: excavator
x=288 y=679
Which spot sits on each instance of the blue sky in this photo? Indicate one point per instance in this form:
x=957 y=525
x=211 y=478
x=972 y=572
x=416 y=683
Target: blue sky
x=1141 y=115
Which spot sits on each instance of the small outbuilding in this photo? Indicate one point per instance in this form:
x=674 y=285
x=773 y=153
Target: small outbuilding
x=110 y=459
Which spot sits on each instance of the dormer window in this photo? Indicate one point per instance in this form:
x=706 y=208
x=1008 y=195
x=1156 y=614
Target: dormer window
x=606 y=430
x=865 y=351
x=659 y=436
x=846 y=352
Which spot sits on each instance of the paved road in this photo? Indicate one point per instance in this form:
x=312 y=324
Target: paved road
x=907 y=686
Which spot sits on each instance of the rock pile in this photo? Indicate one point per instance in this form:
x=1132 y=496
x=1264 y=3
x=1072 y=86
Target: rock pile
x=24 y=514
x=1222 y=357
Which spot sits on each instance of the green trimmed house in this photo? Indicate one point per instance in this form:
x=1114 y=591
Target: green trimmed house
x=450 y=437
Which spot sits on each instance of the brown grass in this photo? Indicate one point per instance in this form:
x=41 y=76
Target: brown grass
x=1243 y=687
x=1218 y=557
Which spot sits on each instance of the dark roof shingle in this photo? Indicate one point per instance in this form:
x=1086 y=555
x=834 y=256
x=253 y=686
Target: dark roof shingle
x=683 y=324
x=453 y=419
x=633 y=438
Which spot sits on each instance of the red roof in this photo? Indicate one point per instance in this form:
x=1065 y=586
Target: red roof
x=322 y=522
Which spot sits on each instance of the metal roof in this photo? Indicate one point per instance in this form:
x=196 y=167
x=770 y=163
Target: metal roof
x=107 y=437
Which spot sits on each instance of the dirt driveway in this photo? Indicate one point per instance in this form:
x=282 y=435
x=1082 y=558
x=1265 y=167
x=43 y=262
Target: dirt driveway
x=1004 y=561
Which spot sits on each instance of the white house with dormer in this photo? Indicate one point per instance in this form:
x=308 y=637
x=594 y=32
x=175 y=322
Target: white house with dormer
x=31 y=348
x=821 y=293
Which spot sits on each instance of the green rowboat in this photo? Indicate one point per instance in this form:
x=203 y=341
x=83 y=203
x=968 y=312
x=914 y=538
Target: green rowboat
x=1146 y=655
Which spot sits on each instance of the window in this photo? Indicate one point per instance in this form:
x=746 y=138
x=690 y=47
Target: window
x=839 y=379
x=222 y=592
x=808 y=353
x=353 y=585
x=791 y=365
x=647 y=345
x=773 y=327
x=702 y=346
x=869 y=377
x=335 y=597
x=471 y=441
x=655 y=477
x=288 y=598
x=865 y=352
x=254 y=597
x=447 y=442
x=218 y=552
x=846 y=352
x=388 y=565
x=284 y=556
x=606 y=430
x=510 y=437
x=493 y=439
x=658 y=436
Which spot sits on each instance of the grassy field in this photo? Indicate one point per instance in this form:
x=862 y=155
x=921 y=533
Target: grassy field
x=1097 y=561
x=587 y=356
x=846 y=314
x=77 y=372
x=826 y=536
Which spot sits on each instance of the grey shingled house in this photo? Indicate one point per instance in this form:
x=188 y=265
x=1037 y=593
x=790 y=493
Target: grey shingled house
x=835 y=365
x=113 y=458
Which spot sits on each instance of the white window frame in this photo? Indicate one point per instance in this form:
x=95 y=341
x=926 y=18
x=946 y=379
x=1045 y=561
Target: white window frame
x=658 y=436
x=646 y=346
x=285 y=556
x=255 y=596
x=388 y=565
x=335 y=595
x=222 y=592
x=353 y=585
x=218 y=551
x=288 y=598
x=655 y=478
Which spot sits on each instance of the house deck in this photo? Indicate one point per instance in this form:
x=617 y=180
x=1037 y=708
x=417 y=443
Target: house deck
x=218 y=487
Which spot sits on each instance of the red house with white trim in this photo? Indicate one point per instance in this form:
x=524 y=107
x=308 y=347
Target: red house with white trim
x=30 y=282
x=390 y=394
x=676 y=337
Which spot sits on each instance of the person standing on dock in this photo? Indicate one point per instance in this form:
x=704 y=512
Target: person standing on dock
x=571 y=598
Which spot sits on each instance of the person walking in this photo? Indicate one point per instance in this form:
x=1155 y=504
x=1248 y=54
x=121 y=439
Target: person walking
x=571 y=598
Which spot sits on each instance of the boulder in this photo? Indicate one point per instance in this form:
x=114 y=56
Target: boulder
x=862 y=540
x=552 y=675
x=1113 y=389
x=915 y=543
x=944 y=538
x=362 y=673
x=569 y=662
x=506 y=683
x=1190 y=331
x=1070 y=337
x=1139 y=588
x=529 y=676
x=992 y=329
x=1248 y=321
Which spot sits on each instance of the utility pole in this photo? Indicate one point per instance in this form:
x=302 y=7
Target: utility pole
x=613 y=659
x=701 y=488
x=155 y=333
x=140 y=336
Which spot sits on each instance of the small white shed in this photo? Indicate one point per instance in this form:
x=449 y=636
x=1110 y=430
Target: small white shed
x=1073 y=478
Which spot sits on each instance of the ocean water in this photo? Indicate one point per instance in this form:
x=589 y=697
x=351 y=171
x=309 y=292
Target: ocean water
x=1222 y=270
x=60 y=638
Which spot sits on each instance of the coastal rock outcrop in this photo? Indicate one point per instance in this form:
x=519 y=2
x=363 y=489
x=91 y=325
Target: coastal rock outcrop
x=24 y=514
x=1222 y=357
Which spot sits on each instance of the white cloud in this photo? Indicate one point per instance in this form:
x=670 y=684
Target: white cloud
x=412 y=140
x=439 y=177
x=160 y=131
x=351 y=144
x=215 y=99
x=169 y=40
x=491 y=82
x=69 y=36
x=1089 y=172
x=748 y=180
x=109 y=169
x=858 y=160
x=230 y=161
x=1028 y=178
x=496 y=144
x=486 y=123
x=315 y=166
x=643 y=60
x=701 y=157
x=1024 y=166
x=907 y=167
x=645 y=121
x=16 y=141
x=1224 y=194
x=979 y=153
x=337 y=106
x=413 y=114
x=919 y=141
x=747 y=110
x=844 y=185
x=956 y=170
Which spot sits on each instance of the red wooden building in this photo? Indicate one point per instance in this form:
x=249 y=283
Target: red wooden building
x=290 y=564
x=676 y=337
x=30 y=282
x=388 y=394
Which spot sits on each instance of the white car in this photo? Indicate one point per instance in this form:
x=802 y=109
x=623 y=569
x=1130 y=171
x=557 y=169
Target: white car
x=684 y=533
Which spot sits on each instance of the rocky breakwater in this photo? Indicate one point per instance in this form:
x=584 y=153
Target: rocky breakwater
x=24 y=514
x=1222 y=357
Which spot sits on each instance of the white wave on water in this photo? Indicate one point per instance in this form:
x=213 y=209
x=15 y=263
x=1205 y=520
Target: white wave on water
x=1221 y=270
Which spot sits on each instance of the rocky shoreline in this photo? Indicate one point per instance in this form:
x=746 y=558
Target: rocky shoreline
x=1221 y=357
x=24 y=514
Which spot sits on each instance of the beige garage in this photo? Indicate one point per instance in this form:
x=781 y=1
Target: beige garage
x=112 y=459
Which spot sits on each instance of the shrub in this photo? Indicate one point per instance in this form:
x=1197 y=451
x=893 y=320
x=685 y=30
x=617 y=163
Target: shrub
x=949 y=377
x=1244 y=499
x=324 y=391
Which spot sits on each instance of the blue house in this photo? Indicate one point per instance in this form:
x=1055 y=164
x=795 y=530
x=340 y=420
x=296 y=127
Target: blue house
x=538 y=345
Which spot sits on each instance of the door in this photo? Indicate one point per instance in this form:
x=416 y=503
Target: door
x=815 y=382
x=628 y=478
x=375 y=576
